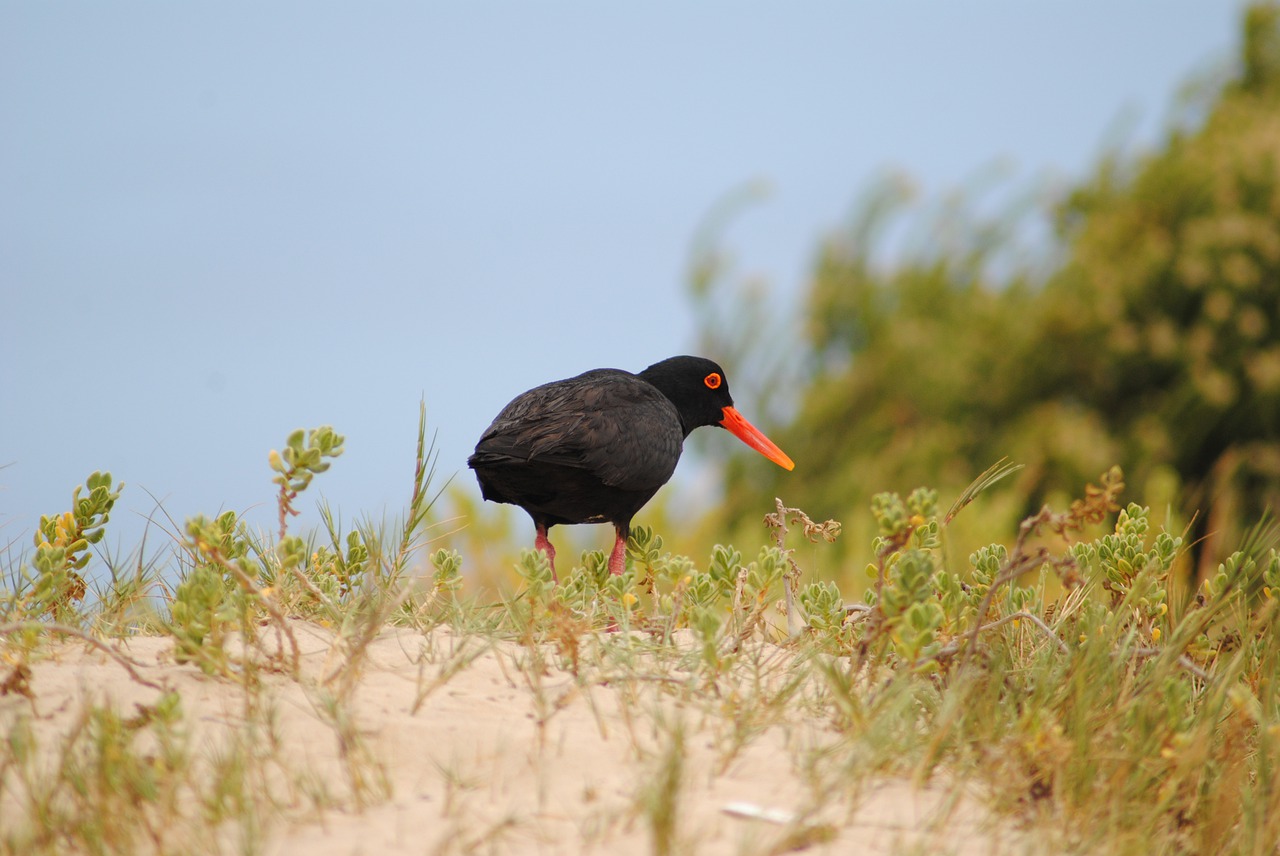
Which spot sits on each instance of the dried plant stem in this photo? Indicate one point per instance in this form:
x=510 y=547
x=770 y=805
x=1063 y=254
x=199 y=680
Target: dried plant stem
x=1183 y=660
x=955 y=647
x=313 y=590
x=129 y=665
x=1018 y=563
x=777 y=522
x=277 y=617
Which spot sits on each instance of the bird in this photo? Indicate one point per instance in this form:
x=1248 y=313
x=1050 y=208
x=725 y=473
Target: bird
x=596 y=447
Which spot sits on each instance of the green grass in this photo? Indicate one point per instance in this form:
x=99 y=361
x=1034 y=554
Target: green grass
x=1093 y=703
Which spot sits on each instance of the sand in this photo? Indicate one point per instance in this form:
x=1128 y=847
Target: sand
x=461 y=745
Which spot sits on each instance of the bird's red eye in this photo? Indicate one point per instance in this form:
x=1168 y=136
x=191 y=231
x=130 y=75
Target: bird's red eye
x=713 y=380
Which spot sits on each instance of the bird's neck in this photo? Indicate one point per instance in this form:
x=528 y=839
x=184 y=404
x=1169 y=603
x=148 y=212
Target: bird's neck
x=668 y=387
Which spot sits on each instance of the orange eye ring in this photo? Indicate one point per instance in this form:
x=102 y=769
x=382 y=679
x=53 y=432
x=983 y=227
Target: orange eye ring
x=713 y=380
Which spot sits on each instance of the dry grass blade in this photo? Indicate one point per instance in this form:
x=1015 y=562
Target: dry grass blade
x=990 y=476
x=424 y=471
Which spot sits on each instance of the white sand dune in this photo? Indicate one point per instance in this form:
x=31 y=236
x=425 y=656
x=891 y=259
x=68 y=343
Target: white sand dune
x=460 y=744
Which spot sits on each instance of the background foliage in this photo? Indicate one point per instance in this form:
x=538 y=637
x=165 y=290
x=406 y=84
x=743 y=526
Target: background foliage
x=1153 y=342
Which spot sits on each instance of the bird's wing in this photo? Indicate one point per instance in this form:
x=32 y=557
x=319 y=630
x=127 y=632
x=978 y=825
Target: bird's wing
x=607 y=422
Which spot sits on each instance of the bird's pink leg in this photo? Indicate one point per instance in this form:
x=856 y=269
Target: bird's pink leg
x=618 y=558
x=544 y=544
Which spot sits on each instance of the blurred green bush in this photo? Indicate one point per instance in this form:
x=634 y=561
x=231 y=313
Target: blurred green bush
x=1152 y=342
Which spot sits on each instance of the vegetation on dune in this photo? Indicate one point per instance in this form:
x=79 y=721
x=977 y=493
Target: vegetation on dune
x=1064 y=671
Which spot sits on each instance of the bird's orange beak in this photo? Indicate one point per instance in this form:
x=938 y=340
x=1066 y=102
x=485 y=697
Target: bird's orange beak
x=752 y=436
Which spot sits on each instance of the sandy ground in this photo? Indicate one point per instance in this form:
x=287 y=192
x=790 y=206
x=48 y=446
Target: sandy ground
x=501 y=758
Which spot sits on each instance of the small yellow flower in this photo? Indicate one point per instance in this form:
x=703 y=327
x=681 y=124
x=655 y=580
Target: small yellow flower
x=1155 y=634
x=629 y=599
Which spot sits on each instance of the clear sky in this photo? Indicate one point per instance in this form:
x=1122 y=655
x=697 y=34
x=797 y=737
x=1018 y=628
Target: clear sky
x=223 y=221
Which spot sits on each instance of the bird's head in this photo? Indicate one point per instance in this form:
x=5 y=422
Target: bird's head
x=700 y=392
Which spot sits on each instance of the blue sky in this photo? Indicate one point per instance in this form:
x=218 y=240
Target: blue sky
x=219 y=222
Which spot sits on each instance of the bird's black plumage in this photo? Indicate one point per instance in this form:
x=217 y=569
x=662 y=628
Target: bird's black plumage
x=597 y=447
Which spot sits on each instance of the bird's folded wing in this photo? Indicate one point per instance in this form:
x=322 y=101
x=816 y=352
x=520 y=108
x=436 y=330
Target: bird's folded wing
x=624 y=432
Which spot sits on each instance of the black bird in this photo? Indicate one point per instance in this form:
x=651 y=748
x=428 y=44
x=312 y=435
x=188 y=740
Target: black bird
x=595 y=448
